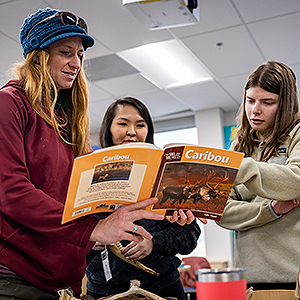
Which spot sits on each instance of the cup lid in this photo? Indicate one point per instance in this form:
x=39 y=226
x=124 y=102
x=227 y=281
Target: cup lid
x=228 y=274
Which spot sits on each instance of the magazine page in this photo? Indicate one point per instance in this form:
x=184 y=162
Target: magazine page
x=196 y=178
x=106 y=179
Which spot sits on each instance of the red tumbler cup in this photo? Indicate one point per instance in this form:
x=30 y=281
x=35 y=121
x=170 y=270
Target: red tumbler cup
x=221 y=284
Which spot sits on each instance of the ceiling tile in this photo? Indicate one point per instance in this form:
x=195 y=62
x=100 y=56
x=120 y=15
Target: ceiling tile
x=296 y=69
x=204 y=96
x=126 y=85
x=9 y=56
x=3 y=79
x=277 y=38
x=96 y=93
x=255 y=10
x=161 y=103
x=12 y=15
x=237 y=55
x=234 y=86
x=108 y=66
x=97 y=111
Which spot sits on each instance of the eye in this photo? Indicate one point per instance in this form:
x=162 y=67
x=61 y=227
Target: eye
x=122 y=123
x=141 y=125
x=80 y=56
x=65 y=53
x=268 y=102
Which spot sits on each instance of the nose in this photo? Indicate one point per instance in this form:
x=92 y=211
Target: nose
x=75 y=62
x=131 y=130
x=257 y=108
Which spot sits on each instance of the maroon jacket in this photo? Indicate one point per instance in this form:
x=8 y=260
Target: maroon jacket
x=35 y=166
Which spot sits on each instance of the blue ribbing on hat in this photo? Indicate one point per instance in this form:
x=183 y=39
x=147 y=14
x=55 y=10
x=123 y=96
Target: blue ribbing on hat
x=47 y=33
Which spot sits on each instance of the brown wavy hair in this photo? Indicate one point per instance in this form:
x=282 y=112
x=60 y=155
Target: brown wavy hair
x=278 y=78
x=41 y=92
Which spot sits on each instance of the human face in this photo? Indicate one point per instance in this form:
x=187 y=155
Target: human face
x=261 y=107
x=128 y=126
x=65 y=61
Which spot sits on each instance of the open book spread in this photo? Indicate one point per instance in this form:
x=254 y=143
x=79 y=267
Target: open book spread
x=180 y=176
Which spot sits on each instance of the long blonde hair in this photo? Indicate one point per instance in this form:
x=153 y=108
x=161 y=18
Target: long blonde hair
x=278 y=78
x=42 y=94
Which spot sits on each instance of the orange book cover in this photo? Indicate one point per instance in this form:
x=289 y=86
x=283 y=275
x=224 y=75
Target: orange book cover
x=196 y=178
x=106 y=179
x=181 y=176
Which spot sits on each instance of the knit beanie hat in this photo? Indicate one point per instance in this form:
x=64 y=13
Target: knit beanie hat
x=46 y=33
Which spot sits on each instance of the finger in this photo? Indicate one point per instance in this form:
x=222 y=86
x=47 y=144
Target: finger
x=132 y=237
x=137 y=256
x=173 y=218
x=97 y=246
x=182 y=214
x=145 y=214
x=170 y=219
x=131 y=252
x=190 y=217
x=133 y=257
x=128 y=247
x=143 y=233
x=142 y=204
x=182 y=218
x=204 y=221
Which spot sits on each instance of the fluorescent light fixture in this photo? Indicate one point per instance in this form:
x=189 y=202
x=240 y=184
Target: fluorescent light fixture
x=166 y=64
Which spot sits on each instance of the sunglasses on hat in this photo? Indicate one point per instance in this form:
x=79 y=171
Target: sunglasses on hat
x=66 y=18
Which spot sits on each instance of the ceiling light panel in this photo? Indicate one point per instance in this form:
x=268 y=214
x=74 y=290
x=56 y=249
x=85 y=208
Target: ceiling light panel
x=166 y=64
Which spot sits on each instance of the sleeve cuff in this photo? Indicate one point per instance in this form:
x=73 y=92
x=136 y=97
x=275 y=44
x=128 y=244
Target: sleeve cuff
x=272 y=211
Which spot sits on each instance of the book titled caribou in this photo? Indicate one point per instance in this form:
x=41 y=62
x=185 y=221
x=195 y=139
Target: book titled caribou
x=180 y=176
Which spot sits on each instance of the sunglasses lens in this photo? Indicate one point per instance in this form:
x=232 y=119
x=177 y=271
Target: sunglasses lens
x=68 y=18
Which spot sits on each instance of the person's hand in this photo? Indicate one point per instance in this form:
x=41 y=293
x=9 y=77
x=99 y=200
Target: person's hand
x=183 y=218
x=119 y=225
x=283 y=207
x=180 y=217
x=136 y=251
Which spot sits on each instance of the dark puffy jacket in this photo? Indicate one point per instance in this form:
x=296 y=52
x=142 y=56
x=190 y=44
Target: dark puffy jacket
x=168 y=240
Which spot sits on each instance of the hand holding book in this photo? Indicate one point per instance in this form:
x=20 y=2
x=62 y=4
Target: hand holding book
x=119 y=225
x=183 y=218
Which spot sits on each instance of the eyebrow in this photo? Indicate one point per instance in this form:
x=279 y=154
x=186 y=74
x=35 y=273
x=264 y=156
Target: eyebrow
x=125 y=119
x=261 y=99
x=69 y=47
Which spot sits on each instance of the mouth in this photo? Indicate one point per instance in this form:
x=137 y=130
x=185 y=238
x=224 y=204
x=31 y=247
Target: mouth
x=71 y=75
x=257 y=121
x=129 y=141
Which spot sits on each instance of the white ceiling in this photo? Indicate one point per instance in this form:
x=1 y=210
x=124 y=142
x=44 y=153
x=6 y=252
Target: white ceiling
x=252 y=32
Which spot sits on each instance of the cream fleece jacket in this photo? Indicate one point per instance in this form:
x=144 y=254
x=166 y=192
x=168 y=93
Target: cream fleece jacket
x=268 y=246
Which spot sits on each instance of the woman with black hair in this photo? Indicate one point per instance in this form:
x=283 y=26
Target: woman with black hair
x=127 y=120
